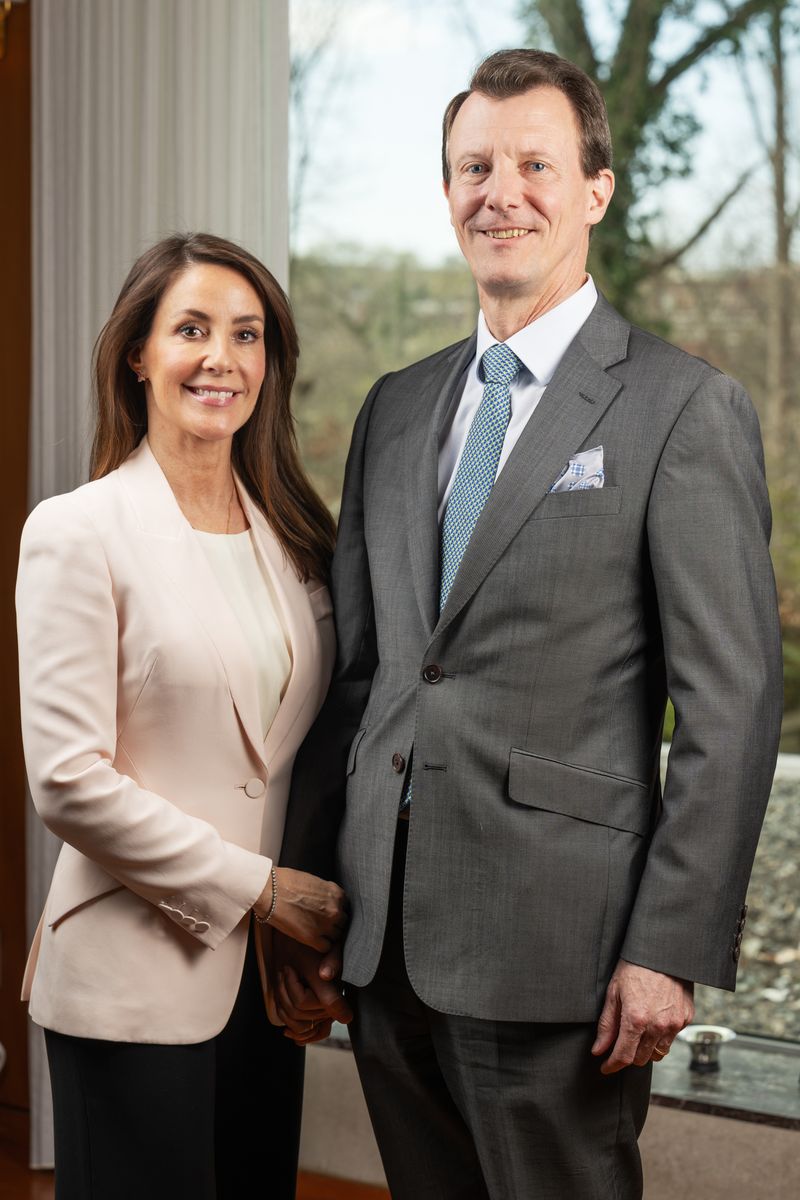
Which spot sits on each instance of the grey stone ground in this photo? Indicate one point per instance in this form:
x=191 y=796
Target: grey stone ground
x=767 y=997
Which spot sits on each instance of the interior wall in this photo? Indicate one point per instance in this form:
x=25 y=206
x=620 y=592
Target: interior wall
x=15 y=356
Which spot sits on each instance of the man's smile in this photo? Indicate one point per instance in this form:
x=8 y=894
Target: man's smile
x=505 y=233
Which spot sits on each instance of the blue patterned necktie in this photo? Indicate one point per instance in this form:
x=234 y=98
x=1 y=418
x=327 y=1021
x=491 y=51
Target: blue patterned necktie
x=478 y=466
x=475 y=475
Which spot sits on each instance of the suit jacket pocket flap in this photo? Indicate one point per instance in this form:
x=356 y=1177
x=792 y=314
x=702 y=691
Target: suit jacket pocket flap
x=579 y=792
x=588 y=502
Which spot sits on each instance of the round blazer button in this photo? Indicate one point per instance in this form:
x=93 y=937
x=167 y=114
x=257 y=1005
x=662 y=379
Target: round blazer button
x=398 y=763
x=254 y=788
x=432 y=673
x=201 y=926
x=736 y=953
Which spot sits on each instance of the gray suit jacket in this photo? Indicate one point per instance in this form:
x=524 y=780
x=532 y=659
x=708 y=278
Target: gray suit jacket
x=540 y=848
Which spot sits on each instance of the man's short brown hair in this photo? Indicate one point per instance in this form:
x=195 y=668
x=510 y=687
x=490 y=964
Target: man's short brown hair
x=512 y=72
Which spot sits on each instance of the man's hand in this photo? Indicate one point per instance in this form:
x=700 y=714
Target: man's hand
x=643 y=1012
x=307 y=998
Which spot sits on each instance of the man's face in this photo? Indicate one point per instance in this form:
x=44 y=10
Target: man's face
x=519 y=201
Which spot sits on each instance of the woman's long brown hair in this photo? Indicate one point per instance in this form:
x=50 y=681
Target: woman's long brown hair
x=264 y=454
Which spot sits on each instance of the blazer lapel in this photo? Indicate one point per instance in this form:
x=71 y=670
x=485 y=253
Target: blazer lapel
x=299 y=621
x=421 y=478
x=181 y=559
x=572 y=404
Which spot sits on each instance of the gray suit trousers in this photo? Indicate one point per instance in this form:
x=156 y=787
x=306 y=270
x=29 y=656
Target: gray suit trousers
x=471 y=1109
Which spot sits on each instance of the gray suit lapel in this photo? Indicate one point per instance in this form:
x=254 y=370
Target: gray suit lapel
x=421 y=478
x=573 y=403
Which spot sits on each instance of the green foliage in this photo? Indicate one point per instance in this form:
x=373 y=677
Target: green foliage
x=721 y=317
x=666 y=151
x=786 y=557
x=790 y=741
x=359 y=315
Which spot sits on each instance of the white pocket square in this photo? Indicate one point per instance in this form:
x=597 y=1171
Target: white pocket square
x=583 y=471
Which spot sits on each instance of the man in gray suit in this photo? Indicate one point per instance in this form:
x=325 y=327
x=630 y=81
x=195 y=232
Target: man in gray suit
x=545 y=530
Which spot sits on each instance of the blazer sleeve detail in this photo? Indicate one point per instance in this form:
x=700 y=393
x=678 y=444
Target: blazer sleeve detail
x=708 y=529
x=68 y=648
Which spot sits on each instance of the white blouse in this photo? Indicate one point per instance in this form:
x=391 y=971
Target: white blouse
x=252 y=597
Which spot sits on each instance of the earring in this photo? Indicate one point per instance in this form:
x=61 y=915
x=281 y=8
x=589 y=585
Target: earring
x=140 y=378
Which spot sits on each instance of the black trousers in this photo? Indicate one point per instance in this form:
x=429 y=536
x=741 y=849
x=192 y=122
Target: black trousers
x=469 y=1109
x=218 y=1120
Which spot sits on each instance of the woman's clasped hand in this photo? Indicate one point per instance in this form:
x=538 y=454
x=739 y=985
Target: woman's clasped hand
x=310 y=910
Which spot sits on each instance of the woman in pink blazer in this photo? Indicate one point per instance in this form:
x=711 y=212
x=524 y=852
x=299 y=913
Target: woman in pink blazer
x=176 y=642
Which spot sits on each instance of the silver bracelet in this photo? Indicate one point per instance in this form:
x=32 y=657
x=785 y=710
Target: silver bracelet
x=266 y=920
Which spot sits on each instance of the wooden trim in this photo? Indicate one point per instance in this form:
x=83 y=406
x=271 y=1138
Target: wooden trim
x=322 y=1187
x=17 y=1181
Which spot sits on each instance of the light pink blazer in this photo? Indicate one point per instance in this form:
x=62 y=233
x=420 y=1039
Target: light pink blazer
x=145 y=753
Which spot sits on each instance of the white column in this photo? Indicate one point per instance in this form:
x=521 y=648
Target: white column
x=149 y=117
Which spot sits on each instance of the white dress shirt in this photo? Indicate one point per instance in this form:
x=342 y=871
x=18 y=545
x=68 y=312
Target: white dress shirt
x=540 y=347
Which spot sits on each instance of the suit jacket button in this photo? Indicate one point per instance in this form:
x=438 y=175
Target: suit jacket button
x=254 y=788
x=737 y=950
x=398 y=763
x=201 y=926
x=432 y=673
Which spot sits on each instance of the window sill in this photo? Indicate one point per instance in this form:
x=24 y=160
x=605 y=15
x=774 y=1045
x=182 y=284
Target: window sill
x=757 y=1082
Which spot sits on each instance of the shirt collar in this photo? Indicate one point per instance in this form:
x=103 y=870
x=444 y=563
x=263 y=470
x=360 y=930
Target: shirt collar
x=541 y=345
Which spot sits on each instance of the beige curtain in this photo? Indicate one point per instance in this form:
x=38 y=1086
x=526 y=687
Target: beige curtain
x=149 y=116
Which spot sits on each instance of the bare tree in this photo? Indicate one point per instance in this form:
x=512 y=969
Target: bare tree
x=652 y=136
x=772 y=55
x=779 y=346
x=315 y=73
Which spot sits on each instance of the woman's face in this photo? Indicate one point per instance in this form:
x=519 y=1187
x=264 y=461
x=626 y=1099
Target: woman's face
x=204 y=358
